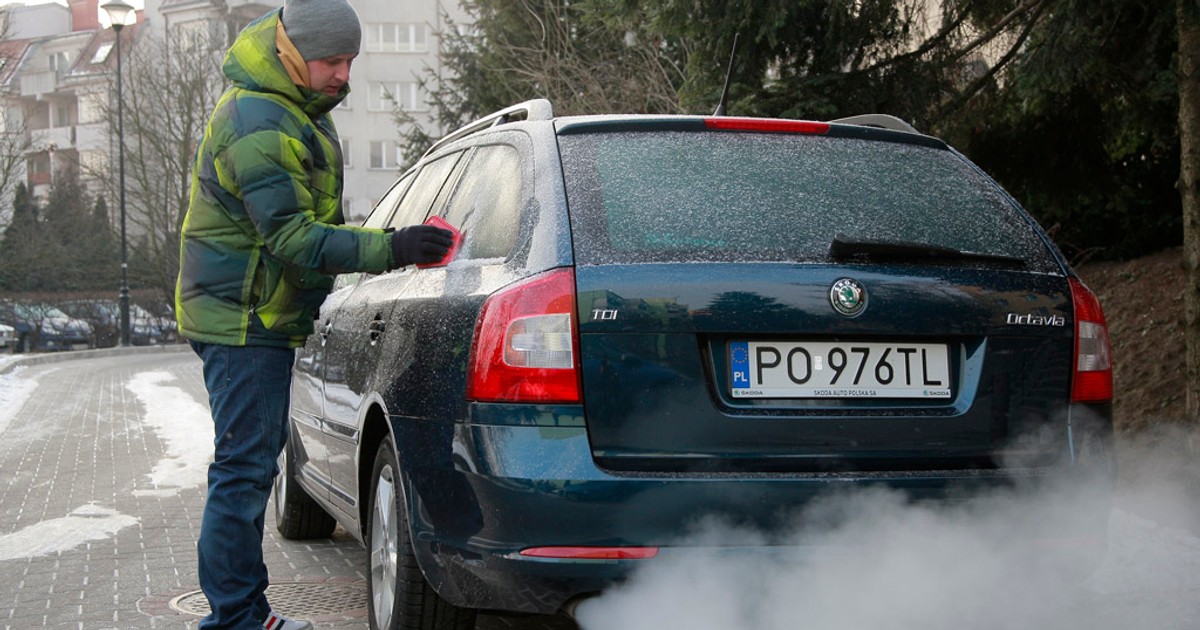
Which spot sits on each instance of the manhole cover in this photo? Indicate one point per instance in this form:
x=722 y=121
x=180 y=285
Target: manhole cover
x=292 y=599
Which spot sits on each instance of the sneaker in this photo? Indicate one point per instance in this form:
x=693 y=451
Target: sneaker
x=279 y=622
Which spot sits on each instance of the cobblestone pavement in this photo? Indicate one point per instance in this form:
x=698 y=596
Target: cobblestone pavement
x=100 y=507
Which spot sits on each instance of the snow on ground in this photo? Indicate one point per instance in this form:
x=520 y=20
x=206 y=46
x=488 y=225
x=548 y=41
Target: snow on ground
x=185 y=428
x=84 y=524
x=14 y=391
x=6 y=359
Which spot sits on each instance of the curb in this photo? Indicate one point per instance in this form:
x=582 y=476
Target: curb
x=70 y=355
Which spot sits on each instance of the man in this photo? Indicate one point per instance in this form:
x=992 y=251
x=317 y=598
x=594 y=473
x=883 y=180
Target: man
x=262 y=237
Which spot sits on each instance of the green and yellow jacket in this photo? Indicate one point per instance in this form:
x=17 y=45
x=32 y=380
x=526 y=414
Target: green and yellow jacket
x=263 y=234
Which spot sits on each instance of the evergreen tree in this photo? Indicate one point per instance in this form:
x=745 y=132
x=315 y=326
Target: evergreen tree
x=27 y=267
x=1084 y=131
x=67 y=221
x=103 y=249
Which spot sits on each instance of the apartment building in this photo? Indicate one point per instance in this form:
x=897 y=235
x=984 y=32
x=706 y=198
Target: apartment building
x=55 y=78
x=399 y=43
x=57 y=62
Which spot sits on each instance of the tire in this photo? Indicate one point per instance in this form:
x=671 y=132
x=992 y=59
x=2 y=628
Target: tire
x=399 y=596
x=297 y=515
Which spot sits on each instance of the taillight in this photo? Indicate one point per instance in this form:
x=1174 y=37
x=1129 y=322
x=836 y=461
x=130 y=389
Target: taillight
x=1092 y=380
x=525 y=346
x=767 y=124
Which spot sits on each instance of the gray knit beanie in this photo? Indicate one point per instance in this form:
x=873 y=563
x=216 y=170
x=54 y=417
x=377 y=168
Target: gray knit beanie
x=322 y=28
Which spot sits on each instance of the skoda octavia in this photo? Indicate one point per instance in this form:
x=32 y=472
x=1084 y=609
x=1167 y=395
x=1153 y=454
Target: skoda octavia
x=652 y=320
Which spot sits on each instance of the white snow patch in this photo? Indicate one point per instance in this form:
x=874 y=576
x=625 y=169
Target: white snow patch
x=184 y=426
x=84 y=524
x=14 y=391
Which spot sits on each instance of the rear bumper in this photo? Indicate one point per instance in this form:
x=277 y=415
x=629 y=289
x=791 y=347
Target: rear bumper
x=499 y=489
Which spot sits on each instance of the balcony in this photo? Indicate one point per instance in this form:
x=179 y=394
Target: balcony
x=38 y=83
x=57 y=137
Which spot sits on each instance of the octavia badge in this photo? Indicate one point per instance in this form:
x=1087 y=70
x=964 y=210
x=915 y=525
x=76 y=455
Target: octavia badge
x=848 y=297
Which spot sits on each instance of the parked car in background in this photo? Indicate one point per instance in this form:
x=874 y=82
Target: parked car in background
x=41 y=327
x=145 y=328
x=8 y=337
x=656 y=319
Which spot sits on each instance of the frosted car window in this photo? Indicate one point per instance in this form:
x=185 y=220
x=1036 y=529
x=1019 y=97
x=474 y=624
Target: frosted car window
x=414 y=208
x=486 y=203
x=383 y=210
x=683 y=196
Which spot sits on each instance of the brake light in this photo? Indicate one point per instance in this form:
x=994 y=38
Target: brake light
x=591 y=553
x=766 y=124
x=1092 y=379
x=525 y=343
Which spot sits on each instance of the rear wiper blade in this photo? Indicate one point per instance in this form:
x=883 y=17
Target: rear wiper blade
x=843 y=247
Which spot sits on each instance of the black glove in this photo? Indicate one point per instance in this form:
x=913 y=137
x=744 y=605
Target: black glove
x=420 y=244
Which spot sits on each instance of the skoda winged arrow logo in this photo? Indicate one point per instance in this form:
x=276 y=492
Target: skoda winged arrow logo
x=848 y=297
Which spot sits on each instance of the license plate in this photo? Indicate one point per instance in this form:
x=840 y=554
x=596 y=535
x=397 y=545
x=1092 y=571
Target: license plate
x=808 y=369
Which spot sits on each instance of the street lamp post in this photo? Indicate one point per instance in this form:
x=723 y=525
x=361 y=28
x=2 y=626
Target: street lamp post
x=118 y=12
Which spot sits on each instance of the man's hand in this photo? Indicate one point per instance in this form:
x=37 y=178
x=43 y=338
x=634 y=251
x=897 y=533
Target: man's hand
x=420 y=244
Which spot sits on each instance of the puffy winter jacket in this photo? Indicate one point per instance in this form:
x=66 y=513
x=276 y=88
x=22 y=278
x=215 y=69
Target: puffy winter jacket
x=263 y=234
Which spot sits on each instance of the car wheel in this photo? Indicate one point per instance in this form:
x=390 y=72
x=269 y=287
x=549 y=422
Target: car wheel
x=400 y=597
x=297 y=515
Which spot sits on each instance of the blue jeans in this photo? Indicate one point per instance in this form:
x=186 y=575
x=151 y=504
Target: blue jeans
x=248 y=391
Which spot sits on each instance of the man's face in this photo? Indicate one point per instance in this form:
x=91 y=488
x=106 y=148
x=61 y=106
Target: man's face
x=328 y=75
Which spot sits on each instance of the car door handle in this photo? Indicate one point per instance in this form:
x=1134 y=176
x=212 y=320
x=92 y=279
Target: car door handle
x=376 y=328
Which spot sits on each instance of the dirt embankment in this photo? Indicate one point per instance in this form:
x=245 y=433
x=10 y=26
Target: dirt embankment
x=1143 y=302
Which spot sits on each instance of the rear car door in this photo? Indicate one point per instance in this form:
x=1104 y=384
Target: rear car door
x=434 y=319
x=310 y=370
x=359 y=342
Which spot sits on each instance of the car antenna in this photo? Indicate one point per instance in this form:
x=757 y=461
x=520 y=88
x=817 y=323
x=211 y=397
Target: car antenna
x=721 y=109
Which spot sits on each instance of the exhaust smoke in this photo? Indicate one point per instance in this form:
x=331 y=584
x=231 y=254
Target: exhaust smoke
x=1017 y=559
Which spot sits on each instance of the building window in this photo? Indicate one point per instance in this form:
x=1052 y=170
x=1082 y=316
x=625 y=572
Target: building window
x=60 y=61
x=102 y=52
x=404 y=37
x=197 y=36
x=61 y=115
x=347 y=162
x=387 y=96
x=385 y=154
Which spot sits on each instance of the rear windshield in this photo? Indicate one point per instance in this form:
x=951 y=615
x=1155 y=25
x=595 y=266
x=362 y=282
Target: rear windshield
x=670 y=196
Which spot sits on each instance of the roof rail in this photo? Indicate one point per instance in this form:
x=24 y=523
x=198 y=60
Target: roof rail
x=535 y=109
x=885 y=121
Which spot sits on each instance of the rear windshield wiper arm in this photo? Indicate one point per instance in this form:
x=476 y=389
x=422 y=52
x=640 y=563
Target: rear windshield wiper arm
x=843 y=247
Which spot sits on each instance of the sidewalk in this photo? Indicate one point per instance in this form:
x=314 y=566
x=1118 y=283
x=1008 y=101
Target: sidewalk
x=102 y=483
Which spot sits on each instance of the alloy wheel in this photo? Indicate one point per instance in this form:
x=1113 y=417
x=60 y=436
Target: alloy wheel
x=383 y=552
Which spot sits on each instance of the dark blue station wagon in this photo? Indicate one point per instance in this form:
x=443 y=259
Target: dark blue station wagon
x=652 y=320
